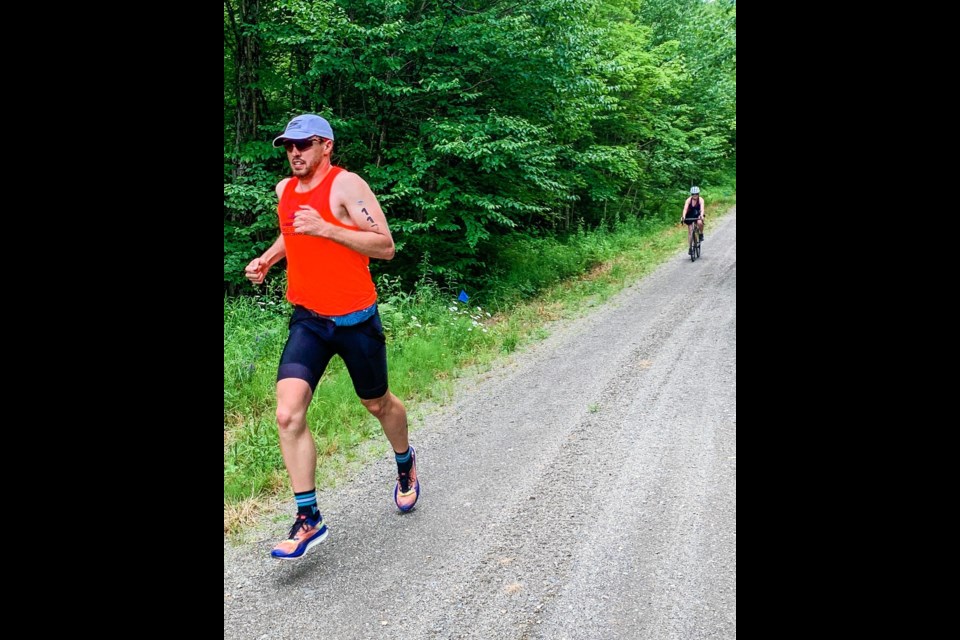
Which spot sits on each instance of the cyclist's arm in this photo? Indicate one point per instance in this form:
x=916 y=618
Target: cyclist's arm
x=686 y=205
x=703 y=209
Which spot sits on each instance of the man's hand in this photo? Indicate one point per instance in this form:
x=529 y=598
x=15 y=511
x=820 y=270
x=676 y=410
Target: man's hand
x=256 y=271
x=307 y=221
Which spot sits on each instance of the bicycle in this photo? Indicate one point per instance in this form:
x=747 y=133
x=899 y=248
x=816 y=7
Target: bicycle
x=694 y=241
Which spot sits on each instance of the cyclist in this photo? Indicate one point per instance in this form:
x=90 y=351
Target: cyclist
x=693 y=211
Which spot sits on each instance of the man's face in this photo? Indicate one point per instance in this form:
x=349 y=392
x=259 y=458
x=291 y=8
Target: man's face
x=304 y=155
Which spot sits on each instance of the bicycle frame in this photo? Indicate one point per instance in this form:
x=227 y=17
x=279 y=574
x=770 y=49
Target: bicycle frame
x=693 y=234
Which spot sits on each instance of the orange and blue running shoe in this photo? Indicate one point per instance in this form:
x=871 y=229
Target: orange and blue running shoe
x=407 y=491
x=304 y=534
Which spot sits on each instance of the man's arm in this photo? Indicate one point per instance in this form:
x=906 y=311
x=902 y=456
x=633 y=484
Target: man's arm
x=276 y=252
x=355 y=197
x=256 y=271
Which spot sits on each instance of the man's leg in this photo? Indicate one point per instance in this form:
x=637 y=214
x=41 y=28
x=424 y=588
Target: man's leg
x=393 y=419
x=364 y=351
x=300 y=458
x=296 y=441
x=303 y=361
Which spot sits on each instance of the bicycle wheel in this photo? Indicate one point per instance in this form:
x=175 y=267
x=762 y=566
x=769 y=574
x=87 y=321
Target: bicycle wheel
x=693 y=251
x=696 y=247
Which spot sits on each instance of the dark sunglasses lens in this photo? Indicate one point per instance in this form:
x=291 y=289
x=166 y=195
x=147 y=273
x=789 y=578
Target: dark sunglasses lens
x=301 y=145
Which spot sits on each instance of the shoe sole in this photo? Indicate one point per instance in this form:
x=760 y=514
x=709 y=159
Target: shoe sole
x=310 y=545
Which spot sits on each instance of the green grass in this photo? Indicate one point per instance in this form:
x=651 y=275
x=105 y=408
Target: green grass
x=432 y=339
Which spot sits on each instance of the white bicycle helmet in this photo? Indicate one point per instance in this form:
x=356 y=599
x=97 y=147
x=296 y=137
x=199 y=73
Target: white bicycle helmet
x=694 y=191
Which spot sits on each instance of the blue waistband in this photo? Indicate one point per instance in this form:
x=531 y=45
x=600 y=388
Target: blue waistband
x=356 y=317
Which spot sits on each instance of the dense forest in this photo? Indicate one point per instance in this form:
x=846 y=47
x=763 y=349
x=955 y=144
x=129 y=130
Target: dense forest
x=480 y=123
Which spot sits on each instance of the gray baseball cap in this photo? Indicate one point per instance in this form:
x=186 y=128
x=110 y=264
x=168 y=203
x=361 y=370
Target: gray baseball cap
x=303 y=127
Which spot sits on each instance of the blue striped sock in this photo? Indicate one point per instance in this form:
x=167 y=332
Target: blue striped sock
x=404 y=461
x=307 y=503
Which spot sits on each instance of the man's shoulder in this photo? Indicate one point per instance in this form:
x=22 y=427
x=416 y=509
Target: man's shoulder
x=281 y=186
x=347 y=176
x=348 y=180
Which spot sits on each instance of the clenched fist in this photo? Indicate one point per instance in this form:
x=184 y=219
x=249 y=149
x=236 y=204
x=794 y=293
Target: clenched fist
x=256 y=271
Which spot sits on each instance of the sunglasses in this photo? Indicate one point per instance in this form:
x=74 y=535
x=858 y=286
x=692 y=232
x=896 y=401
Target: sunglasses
x=301 y=145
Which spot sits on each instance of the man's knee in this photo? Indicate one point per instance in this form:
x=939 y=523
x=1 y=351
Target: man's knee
x=289 y=418
x=379 y=407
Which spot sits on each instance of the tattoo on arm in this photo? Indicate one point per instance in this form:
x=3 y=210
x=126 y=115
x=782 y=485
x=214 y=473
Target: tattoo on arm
x=367 y=213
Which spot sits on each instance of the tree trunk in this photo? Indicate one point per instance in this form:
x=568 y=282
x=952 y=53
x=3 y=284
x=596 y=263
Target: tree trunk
x=246 y=63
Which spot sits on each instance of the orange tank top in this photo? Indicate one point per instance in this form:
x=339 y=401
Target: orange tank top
x=322 y=275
